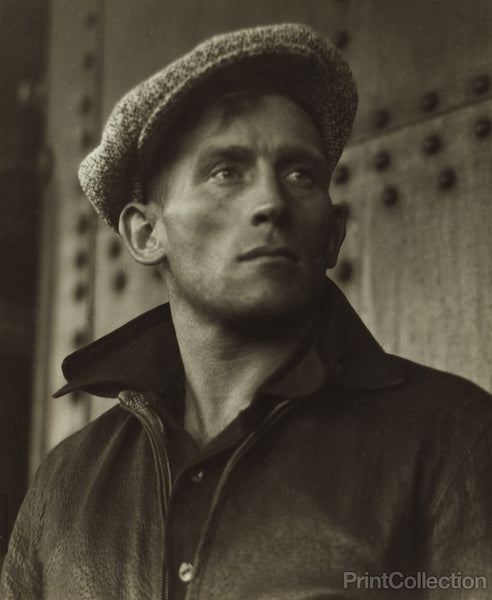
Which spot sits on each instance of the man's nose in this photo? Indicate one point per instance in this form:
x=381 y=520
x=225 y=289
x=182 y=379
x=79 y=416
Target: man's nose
x=271 y=201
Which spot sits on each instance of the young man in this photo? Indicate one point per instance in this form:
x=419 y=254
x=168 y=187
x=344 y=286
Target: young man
x=265 y=445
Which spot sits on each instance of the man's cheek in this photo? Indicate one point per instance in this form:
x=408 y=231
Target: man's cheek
x=316 y=236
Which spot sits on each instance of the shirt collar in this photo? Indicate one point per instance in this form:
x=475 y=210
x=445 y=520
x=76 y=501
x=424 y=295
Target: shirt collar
x=144 y=355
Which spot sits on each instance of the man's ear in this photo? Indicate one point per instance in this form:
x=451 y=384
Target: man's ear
x=337 y=235
x=143 y=233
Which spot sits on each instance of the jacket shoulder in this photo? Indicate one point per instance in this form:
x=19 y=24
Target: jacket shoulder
x=444 y=413
x=440 y=386
x=87 y=444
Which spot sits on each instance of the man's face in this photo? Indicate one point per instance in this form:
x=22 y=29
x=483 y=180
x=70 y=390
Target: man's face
x=244 y=212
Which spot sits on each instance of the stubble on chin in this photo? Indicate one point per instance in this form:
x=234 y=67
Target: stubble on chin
x=249 y=312
x=270 y=317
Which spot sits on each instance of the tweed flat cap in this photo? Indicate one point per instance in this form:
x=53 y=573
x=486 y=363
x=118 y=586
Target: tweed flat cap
x=292 y=59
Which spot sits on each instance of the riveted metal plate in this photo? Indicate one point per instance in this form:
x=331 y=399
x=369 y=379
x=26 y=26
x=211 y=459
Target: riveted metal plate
x=69 y=224
x=423 y=272
x=414 y=59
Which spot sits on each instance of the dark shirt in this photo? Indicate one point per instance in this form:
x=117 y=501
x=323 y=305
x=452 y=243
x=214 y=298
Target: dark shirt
x=196 y=473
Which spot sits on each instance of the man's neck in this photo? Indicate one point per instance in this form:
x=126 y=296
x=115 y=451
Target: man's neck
x=224 y=368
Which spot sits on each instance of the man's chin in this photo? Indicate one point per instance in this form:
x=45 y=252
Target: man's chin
x=270 y=313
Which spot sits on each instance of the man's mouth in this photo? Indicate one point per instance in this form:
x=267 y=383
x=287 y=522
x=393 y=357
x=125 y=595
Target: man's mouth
x=269 y=252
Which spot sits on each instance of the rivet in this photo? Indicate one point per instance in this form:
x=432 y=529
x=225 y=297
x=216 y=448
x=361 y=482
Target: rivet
x=76 y=395
x=344 y=271
x=31 y=95
x=429 y=101
x=81 y=259
x=80 y=291
x=380 y=118
x=80 y=338
x=389 y=196
x=447 y=179
x=381 y=161
x=24 y=93
x=114 y=248
x=87 y=140
x=344 y=209
x=482 y=128
x=119 y=282
x=89 y=60
x=83 y=224
x=86 y=104
x=432 y=144
x=90 y=20
x=481 y=84
x=45 y=163
x=341 y=174
x=341 y=39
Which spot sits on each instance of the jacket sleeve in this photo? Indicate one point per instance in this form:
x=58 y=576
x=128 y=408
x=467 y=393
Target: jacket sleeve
x=21 y=577
x=459 y=542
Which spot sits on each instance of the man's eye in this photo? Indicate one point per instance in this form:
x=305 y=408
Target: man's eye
x=225 y=174
x=300 y=176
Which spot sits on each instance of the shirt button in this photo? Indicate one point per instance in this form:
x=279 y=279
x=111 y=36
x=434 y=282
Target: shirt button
x=186 y=572
x=198 y=476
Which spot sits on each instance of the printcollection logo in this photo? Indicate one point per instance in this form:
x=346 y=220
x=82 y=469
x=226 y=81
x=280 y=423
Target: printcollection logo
x=421 y=580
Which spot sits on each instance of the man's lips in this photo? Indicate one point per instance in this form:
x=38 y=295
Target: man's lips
x=269 y=252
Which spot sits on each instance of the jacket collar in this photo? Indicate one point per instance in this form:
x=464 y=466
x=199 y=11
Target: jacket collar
x=144 y=355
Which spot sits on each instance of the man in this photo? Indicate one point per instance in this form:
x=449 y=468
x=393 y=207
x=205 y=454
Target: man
x=265 y=447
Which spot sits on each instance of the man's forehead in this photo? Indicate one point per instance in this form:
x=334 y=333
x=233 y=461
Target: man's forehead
x=233 y=103
x=234 y=119
x=229 y=106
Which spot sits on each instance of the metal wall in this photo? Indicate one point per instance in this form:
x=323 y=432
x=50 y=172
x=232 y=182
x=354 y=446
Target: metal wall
x=415 y=178
x=22 y=33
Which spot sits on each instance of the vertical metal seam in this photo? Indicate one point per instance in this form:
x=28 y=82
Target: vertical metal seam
x=97 y=123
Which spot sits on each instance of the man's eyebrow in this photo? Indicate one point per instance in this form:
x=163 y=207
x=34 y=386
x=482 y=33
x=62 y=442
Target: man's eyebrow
x=233 y=152
x=295 y=153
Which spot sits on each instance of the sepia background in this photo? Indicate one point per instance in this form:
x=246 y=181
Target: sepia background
x=415 y=181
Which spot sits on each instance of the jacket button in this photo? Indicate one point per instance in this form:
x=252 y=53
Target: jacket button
x=197 y=476
x=186 y=572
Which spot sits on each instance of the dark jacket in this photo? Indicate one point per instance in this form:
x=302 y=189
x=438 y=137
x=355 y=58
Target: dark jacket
x=366 y=465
